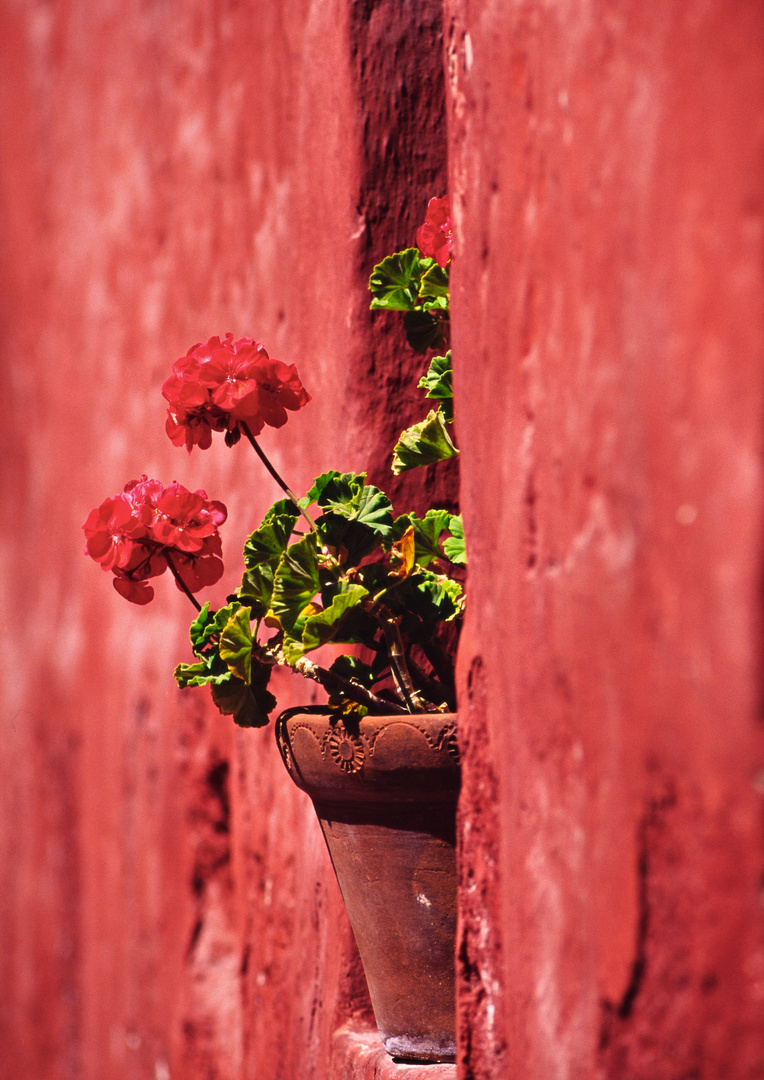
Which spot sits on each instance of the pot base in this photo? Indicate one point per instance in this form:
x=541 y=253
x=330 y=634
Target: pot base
x=385 y=795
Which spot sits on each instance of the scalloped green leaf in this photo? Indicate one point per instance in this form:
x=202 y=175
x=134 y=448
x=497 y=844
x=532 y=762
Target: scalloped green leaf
x=423 y=444
x=325 y=625
x=438 y=382
x=433 y=597
x=236 y=644
x=256 y=589
x=268 y=542
x=434 y=285
x=295 y=583
x=365 y=508
x=427 y=533
x=249 y=705
x=423 y=330
x=208 y=624
x=262 y=552
x=209 y=669
x=395 y=282
x=319 y=484
x=453 y=545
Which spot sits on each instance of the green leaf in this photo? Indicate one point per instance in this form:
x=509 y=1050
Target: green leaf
x=325 y=625
x=349 y=494
x=357 y=516
x=192 y=675
x=262 y=552
x=423 y=444
x=433 y=597
x=394 y=283
x=423 y=330
x=210 y=669
x=435 y=284
x=256 y=589
x=248 y=704
x=202 y=628
x=208 y=624
x=427 y=531
x=236 y=644
x=438 y=382
x=353 y=669
x=453 y=546
x=295 y=583
x=268 y=543
x=292 y=649
x=318 y=486
x=372 y=509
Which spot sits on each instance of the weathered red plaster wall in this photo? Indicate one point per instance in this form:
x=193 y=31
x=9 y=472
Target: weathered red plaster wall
x=167 y=172
x=172 y=171
x=606 y=160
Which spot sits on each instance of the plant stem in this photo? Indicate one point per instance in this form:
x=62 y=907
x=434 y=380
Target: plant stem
x=434 y=690
x=397 y=655
x=336 y=683
x=281 y=483
x=180 y=581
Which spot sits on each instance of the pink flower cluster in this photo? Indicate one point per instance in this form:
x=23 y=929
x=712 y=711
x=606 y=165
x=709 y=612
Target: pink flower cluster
x=435 y=237
x=223 y=384
x=148 y=527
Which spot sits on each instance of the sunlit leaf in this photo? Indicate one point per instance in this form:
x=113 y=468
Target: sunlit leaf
x=438 y=382
x=295 y=583
x=357 y=516
x=453 y=546
x=427 y=533
x=267 y=544
x=403 y=554
x=434 y=284
x=394 y=283
x=326 y=624
x=236 y=644
x=423 y=444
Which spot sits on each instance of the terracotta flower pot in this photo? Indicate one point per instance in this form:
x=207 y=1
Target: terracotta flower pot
x=385 y=794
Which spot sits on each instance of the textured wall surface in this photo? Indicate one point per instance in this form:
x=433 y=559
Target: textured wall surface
x=606 y=159
x=169 y=172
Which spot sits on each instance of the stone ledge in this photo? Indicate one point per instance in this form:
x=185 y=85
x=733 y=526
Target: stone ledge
x=358 y=1054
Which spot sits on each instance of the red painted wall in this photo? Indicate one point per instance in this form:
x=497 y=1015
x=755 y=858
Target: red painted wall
x=609 y=345
x=172 y=171
x=169 y=172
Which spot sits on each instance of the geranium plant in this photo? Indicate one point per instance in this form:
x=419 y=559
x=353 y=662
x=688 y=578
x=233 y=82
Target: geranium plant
x=335 y=565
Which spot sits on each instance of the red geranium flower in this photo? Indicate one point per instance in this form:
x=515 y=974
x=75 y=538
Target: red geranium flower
x=435 y=237
x=221 y=385
x=278 y=389
x=185 y=520
x=147 y=528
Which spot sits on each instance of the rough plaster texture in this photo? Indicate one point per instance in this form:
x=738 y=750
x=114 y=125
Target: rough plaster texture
x=171 y=171
x=606 y=160
x=167 y=172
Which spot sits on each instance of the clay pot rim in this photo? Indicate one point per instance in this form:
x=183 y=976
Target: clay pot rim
x=348 y=762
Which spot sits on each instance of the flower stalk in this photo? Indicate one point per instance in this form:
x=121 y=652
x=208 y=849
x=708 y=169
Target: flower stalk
x=282 y=483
